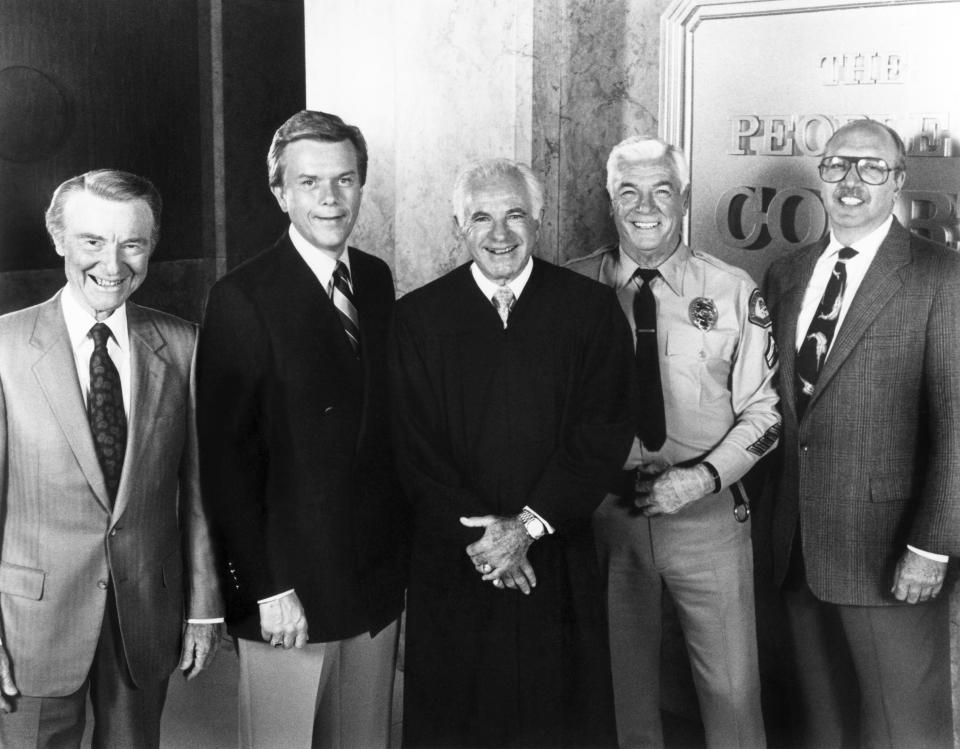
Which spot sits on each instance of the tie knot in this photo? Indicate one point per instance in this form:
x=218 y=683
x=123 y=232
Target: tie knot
x=647 y=274
x=504 y=298
x=846 y=253
x=342 y=271
x=100 y=333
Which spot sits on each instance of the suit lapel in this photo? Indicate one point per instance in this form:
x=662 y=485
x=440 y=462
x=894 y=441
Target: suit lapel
x=880 y=283
x=56 y=374
x=146 y=386
x=360 y=283
x=798 y=277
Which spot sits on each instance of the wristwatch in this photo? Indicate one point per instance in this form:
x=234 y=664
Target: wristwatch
x=533 y=524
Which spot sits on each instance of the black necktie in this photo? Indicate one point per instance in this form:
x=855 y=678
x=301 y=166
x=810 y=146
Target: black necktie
x=108 y=422
x=816 y=343
x=652 y=428
x=342 y=296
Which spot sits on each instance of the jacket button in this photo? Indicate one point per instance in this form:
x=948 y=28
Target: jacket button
x=113 y=532
x=805 y=448
x=102 y=584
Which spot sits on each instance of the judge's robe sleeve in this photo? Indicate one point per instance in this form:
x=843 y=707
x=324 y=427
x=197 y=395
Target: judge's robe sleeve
x=425 y=464
x=599 y=426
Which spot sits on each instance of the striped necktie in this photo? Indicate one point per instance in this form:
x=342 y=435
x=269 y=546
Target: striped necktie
x=342 y=296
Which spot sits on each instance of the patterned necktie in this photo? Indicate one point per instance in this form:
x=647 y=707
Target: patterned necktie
x=504 y=300
x=108 y=422
x=652 y=428
x=342 y=296
x=816 y=343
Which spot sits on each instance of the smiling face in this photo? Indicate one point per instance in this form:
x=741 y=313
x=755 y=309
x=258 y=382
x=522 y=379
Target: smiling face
x=498 y=227
x=106 y=246
x=648 y=207
x=854 y=207
x=321 y=191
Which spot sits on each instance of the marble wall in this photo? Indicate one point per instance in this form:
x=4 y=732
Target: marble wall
x=438 y=83
x=433 y=85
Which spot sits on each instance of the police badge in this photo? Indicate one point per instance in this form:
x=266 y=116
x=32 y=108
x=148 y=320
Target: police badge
x=703 y=313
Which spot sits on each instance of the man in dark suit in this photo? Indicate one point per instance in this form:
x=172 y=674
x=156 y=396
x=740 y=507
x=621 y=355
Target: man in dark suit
x=105 y=544
x=867 y=507
x=296 y=458
x=512 y=400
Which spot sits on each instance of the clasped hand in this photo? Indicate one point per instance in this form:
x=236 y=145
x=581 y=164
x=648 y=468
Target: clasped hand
x=500 y=555
x=664 y=491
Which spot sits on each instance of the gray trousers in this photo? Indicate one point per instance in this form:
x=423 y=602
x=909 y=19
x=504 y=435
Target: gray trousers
x=877 y=676
x=335 y=695
x=125 y=716
x=705 y=559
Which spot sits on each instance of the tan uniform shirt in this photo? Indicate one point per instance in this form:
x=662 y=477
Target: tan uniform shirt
x=718 y=360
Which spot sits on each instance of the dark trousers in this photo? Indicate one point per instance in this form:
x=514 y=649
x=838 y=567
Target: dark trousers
x=125 y=716
x=873 y=676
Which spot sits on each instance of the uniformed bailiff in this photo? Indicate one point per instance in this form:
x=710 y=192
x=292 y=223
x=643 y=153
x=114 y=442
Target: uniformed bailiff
x=705 y=363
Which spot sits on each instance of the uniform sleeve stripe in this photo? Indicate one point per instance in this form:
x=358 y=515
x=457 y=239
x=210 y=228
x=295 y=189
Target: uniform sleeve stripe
x=766 y=441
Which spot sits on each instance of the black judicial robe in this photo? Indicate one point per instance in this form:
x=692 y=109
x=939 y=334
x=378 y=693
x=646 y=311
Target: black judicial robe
x=490 y=420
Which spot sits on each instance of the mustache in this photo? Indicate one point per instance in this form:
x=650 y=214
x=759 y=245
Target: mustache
x=851 y=192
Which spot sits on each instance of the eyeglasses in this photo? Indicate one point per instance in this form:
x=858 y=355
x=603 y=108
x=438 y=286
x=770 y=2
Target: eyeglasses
x=871 y=171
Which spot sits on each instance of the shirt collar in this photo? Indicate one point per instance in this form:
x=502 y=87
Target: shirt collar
x=489 y=288
x=671 y=269
x=866 y=246
x=319 y=261
x=79 y=321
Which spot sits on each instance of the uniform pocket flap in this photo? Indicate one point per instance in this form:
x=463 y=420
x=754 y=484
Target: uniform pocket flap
x=26 y=582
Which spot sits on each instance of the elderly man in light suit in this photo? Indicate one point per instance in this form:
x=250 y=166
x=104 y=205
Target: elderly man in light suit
x=104 y=545
x=867 y=509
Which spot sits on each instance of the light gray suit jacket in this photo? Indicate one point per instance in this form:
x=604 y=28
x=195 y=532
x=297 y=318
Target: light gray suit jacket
x=61 y=542
x=874 y=464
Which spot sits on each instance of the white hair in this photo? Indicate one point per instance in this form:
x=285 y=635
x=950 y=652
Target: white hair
x=482 y=170
x=645 y=148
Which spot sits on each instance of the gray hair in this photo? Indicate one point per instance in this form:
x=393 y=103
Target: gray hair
x=644 y=148
x=110 y=184
x=482 y=170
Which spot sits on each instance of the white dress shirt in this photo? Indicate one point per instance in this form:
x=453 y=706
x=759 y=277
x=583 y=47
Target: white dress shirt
x=319 y=261
x=856 y=267
x=79 y=320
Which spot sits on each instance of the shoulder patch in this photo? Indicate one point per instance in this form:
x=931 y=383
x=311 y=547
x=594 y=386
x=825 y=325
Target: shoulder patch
x=766 y=441
x=758 y=314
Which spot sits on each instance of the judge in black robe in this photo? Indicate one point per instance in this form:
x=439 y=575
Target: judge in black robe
x=494 y=417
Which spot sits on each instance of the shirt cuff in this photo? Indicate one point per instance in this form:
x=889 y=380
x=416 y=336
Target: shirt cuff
x=541 y=517
x=218 y=620
x=277 y=597
x=929 y=554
